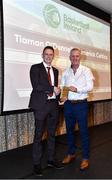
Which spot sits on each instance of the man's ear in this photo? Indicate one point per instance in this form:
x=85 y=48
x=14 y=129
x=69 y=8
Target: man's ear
x=42 y=55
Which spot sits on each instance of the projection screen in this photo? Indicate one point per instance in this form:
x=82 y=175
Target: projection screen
x=30 y=25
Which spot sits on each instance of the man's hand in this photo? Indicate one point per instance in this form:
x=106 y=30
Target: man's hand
x=62 y=100
x=72 y=88
x=57 y=90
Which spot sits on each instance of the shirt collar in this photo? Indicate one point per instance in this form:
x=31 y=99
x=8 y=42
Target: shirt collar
x=46 y=65
x=77 y=68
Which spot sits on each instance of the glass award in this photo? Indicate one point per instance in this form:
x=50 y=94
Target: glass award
x=64 y=93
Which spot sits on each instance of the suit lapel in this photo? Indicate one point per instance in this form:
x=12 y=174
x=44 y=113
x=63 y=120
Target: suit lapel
x=44 y=72
x=55 y=77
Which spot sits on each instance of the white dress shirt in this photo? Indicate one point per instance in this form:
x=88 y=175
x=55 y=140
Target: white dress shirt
x=52 y=79
x=82 y=80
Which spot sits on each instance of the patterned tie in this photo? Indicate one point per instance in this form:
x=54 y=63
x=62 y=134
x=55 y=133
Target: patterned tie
x=49 y=79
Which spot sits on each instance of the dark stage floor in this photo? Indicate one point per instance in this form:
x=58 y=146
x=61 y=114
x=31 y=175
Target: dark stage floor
x=17 y=163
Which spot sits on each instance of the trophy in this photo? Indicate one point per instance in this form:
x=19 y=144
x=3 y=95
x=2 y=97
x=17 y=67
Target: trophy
x=64 y=93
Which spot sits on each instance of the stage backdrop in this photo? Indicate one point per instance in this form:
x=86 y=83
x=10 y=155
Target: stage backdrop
x=17 y=130
x=31 y=25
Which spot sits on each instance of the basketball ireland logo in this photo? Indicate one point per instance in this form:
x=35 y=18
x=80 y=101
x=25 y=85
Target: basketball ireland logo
x=51 y=15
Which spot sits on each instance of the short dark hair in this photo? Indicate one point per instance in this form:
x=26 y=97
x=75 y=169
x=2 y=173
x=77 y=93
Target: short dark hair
x=48 y=47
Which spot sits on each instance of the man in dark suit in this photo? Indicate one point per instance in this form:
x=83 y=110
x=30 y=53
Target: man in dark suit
x=44 y=102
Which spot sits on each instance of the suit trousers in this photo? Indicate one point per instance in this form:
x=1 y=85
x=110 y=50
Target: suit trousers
x=45 y=119
x=77 y=112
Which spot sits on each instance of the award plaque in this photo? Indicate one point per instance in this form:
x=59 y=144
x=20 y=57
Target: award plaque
x=64 y=93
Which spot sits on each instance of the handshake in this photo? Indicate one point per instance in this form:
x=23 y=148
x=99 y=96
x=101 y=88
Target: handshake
x=57 y=90
x=63 y=93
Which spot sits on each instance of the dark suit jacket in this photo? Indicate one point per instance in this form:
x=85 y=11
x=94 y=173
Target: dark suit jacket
x=41 y=86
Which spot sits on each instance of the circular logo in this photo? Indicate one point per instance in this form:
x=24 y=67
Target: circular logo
x=51 y=15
